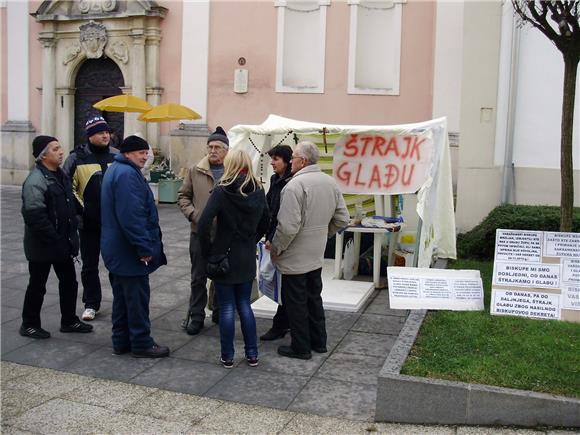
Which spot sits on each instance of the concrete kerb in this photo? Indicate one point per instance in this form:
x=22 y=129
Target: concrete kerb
x=412 y=399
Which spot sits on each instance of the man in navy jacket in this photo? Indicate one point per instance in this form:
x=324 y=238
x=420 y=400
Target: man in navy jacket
x=131 y=248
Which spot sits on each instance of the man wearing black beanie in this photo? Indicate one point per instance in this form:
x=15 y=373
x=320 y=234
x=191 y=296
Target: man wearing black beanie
x=50 y=239
x=86 y=166
x=192 y=199
x=132 y=248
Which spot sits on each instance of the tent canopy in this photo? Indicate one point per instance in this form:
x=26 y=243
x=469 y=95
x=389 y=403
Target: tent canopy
x=435 y=196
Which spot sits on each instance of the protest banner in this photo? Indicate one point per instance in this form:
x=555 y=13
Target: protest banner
x=536 y=274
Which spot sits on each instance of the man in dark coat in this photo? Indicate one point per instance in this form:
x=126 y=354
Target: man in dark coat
x=86 y=166
x=132 y=248
x=50 y=239
x=281 y=156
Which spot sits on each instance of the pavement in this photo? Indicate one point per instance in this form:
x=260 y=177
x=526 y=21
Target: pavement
x=73 y=383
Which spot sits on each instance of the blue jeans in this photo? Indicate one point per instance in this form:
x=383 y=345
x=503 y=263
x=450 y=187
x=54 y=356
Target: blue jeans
x=230 y=297
x=131 y=325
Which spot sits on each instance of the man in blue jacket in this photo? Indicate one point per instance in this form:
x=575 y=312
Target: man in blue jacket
x=131 y=248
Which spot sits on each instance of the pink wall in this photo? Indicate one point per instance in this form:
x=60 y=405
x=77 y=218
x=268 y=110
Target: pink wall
x=4 y=69
x=248 y=29
x=35 y=70
x=170 y=56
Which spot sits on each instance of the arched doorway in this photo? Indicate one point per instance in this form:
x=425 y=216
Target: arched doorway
x=97 y=79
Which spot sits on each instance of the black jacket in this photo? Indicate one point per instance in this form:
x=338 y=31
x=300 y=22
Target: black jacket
x=50 y=228
x=277 y=183
x=86 y=167
x=241 y=223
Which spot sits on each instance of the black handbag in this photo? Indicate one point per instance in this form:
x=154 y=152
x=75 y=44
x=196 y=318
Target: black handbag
x=217 y=265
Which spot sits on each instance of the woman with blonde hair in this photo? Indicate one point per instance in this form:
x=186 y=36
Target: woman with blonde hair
x=238 y=204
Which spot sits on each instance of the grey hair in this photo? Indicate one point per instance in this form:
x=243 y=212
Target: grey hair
x=309 y=151
x=42 y=154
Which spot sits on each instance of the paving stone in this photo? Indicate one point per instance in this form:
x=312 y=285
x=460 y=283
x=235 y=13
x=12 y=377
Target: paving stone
x=10 y=313
x=11 y=339
x=243 y=419
x=477 y=430
x=17 y=402
x=11 y=430
x=183 y=376
x=157 y=279
x=165 y=297
x=378 y=324
x=339 y=320
x=415 y=429
x=363 y=343
x=47 y=382
x=11 y=371
x=51 y=353
x=171 y=406
x=336 y=399
x=170 y=321
x=205 y=348
x=362 y=369
x=270 y=361
x=173 y=339
x=111 y=395
x=304 y=424
x=63 y=416
x=103 y=364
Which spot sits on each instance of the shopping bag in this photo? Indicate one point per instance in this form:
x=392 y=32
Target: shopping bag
x=269 y=278
x=348 y=271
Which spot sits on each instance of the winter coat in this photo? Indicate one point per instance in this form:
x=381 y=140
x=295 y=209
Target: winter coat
x=277 y=183
x=86 y=169
x=194 y=193
x=311 y=210
x=50 y=227
x=241 y=223
x=129 y=221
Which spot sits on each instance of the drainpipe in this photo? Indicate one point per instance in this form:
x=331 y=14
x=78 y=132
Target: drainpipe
x=508 y=182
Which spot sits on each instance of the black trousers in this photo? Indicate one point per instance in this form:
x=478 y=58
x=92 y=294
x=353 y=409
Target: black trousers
x=67 y=290
x=198 y=296
x=280 y=322
x=90 y=252
x=301 y=294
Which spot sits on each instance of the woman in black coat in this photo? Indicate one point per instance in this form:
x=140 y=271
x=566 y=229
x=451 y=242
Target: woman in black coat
x=238 y=204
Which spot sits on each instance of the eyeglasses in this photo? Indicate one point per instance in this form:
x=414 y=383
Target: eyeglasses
x=297 y=157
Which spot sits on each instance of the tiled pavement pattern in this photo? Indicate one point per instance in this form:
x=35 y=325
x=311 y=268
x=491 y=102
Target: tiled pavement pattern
x=341 y=383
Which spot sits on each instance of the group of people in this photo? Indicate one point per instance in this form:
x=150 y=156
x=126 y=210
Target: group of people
x=102 y=195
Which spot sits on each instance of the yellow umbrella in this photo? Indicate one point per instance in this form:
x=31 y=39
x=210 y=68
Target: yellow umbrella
x=123 y=103
x=169 y=112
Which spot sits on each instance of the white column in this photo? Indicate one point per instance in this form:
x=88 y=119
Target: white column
x=153 y=89
x=138 y=79
x=48 y=83
x=195 y=56
x=18 y=86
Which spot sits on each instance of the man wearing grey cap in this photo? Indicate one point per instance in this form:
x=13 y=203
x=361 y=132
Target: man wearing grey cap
x=192 y=199
x=50 y=239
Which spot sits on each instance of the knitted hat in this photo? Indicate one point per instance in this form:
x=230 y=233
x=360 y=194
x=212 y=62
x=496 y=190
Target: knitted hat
x=95 y=125
x=220 y=135
x=282 y=151
x=39 y=144
x=133 y=143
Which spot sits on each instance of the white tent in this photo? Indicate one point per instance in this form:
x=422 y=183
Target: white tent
x=435 y=196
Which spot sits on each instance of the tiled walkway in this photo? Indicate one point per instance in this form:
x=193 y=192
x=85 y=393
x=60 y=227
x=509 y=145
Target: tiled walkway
x=341 y=383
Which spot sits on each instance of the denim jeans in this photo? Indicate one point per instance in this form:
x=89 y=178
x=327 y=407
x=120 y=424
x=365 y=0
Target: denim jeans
x=230 y=297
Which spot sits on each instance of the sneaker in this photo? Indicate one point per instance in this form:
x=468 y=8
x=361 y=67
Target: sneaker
x=252 y=361
x=89 y=314
x=34 y=332
x=227 y=363
x=77 y=327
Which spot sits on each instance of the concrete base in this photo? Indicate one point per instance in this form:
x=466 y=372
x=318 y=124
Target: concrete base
x=337 y=294
x=16 y=138
x=187 y=146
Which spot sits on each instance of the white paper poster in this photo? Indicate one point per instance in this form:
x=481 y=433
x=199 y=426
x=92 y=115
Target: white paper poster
x=562 y=245
x=436 y=289
x=525 y=304
x=514 y=245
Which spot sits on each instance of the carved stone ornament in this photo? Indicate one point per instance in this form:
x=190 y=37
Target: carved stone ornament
x=93 y=39
x=97 y=6
x=120 y=51
x=70 y=53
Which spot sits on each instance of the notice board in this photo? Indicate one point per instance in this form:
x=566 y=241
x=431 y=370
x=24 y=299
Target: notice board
x=536 y=274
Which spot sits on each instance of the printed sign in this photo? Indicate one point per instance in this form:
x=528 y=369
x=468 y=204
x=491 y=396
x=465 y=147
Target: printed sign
x=571 y=270
x=527 y=275
x=562 y=245
x=571 y=298
x=436 y=289
x=518 y=245
x=382 y=164
x=525 y=304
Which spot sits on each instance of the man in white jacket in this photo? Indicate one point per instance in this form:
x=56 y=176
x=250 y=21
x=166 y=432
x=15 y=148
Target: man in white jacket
x=311 y=210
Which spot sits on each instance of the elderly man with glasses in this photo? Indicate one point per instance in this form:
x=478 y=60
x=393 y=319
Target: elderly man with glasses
x=192 y=199
x=311 y=210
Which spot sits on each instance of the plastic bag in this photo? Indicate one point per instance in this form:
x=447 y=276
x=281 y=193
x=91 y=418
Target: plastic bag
x=269 y=278
x=348 y=271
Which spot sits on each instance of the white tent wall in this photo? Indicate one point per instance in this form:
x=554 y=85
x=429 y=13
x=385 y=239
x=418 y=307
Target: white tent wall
x=434 y=203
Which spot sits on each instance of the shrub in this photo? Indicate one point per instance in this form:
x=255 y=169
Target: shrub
x=479 y=243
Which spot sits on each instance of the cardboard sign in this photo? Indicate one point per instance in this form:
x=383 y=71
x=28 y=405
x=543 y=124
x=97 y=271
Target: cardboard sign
x=435 y=289
x=536 y=274
x=382 y=164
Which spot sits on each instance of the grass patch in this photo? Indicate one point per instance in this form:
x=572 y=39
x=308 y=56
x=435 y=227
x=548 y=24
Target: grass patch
x=514 y=352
